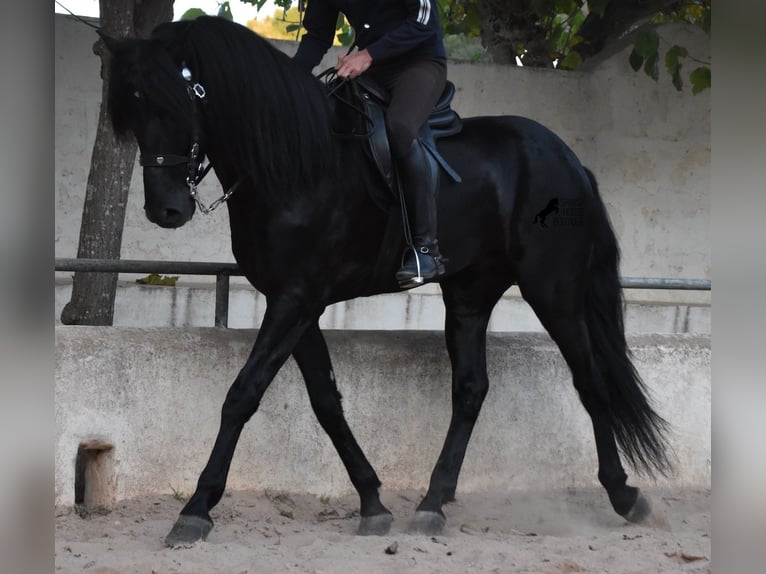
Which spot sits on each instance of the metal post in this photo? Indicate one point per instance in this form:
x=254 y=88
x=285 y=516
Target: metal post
x=222 y=299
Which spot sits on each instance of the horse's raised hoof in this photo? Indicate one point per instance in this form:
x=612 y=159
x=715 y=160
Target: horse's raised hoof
x=188 y=530
x=427 y=522
x=644 y=513
x=376 y=525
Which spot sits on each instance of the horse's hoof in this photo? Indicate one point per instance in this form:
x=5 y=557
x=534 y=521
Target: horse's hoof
x=643 y=512
x=188 y=530
x=377 y=525
x=427 y=522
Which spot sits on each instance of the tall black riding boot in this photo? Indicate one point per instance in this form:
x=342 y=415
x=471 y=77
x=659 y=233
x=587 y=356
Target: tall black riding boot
x=421 y=261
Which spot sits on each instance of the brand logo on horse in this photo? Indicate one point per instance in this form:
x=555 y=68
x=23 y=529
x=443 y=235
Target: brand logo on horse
x=565 y=213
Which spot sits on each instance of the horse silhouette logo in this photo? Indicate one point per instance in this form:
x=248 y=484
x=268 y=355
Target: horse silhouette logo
x=552 y=207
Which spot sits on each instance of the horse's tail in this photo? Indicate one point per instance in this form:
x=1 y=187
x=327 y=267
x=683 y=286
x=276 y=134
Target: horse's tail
x=640 y=432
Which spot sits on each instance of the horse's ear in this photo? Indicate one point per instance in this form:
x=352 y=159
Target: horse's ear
x=110 y=43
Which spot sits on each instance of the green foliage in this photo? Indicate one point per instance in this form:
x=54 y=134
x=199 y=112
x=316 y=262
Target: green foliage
x=700 y=79
x=646 y=42
x=647 y=45
x=283 y=25
x=224 y=11
x=192 y=13
x=645 y=52
x=284 y=4
x=465 y=48
x=343 y=31
x=562 y=19
x=559 y=21
x=460 y=17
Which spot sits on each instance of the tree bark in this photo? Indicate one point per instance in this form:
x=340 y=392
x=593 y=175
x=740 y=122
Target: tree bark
x=112 y=161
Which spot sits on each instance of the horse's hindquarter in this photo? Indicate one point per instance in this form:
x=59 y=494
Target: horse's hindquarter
x=511 y=168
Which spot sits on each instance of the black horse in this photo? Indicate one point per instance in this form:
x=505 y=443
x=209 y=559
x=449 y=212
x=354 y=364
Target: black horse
x=307 y=234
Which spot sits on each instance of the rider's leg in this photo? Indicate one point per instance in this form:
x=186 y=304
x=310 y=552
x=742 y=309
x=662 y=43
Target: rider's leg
x=415 y=90
x=418 y=174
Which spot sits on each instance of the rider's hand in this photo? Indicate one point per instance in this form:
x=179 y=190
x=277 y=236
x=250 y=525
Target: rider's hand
x=354 y=64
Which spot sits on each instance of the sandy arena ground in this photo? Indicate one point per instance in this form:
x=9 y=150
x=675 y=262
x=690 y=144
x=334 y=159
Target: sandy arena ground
x=266 y=532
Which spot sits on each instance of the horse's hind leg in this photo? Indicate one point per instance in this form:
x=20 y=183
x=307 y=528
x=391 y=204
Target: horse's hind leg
x=314 y=362
x=467 y=315
x=561 y=312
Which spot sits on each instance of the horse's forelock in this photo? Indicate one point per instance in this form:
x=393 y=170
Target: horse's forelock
x=145 y=69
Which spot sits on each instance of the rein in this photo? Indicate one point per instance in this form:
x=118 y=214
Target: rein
x=195 y=169
x=334 y=84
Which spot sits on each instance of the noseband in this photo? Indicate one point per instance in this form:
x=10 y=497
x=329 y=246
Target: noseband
x=196 y=171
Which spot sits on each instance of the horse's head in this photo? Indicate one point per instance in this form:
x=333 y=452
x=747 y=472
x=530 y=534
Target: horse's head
x=154 y=99
x=264 y=119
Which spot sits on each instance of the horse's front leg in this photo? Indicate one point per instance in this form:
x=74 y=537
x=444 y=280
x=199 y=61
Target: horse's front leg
x=468 y=306
x=283 y=325
x=313 y=359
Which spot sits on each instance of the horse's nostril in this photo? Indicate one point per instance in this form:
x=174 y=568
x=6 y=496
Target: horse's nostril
x=171 y=215
x=167 y=217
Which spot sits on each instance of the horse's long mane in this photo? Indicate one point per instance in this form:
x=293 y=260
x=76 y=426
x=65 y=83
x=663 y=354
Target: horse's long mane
x=262 y=111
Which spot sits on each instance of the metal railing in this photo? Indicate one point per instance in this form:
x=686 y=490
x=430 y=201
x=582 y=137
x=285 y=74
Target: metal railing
x=223 y=271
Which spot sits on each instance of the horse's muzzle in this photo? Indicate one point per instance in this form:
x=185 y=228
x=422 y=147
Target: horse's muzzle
x=169 y=217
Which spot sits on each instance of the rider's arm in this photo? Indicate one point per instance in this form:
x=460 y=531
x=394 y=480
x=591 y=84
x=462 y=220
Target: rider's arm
x=421 y=26
x=319 y=22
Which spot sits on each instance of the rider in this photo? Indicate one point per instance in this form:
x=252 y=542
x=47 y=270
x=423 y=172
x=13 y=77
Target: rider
x=400 y=43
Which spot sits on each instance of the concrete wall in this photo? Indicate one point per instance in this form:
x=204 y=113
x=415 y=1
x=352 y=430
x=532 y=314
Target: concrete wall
x=648 y=144
x=154 y=395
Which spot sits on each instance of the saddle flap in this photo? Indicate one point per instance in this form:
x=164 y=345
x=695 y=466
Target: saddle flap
x=443 y=121
x=371 y=89
x=366 y=102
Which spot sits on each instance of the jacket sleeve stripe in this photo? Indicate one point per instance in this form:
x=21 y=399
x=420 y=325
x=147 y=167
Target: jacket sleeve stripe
x=424 y=15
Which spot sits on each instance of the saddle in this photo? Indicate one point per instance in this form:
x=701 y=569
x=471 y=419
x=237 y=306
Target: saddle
x=363 y=116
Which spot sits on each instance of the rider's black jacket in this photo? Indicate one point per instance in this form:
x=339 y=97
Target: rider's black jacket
x=388 y=29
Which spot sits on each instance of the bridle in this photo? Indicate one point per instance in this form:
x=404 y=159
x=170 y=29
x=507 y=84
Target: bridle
x=196 y=171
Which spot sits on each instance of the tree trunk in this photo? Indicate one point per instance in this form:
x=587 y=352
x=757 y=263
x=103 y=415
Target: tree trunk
x=111 y=169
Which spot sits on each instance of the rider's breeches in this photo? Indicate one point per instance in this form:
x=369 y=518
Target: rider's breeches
x=415 y=88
